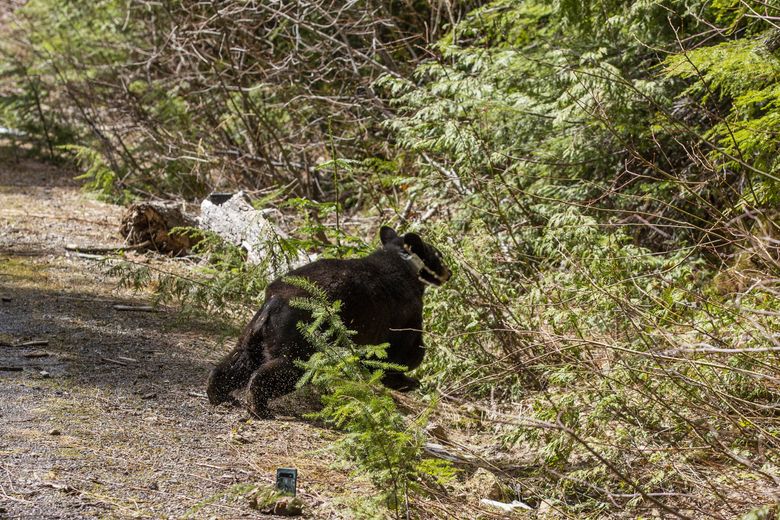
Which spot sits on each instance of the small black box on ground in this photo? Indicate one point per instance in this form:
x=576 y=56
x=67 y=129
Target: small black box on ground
x=286 y=480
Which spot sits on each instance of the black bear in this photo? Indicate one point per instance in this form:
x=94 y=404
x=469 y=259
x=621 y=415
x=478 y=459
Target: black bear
x=382 y=299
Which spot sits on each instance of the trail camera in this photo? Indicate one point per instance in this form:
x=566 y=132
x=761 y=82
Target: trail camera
x=286 y=480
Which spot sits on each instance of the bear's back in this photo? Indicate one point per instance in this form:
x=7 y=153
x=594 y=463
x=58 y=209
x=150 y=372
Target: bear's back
x=378 y=292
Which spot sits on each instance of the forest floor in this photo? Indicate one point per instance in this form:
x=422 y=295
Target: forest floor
x=107 y=416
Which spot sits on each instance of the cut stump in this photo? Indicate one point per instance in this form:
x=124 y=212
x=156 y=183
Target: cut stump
x=152 y=222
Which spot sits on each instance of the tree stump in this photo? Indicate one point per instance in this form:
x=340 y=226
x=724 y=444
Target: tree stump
x=151 y=223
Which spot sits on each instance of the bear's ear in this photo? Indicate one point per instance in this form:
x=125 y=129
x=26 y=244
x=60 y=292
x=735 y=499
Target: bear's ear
x=415 y=243
x=387 y=234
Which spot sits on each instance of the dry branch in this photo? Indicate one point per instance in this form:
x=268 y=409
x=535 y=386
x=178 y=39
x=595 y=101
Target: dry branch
x=139 y=308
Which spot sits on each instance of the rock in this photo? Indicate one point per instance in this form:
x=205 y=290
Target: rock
x=55 y=432
x=545 y=508
x=437 y=431
x=287 y=506
x=270 y=502
x=504 y=506
x=483 y=484
x=239 y=438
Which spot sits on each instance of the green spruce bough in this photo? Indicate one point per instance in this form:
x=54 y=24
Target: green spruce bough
x=379 y=439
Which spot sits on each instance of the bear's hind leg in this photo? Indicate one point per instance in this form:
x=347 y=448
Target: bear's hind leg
x=274 y=378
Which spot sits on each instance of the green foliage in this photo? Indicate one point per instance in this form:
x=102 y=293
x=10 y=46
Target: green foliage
x=25 y=111
x=762 y=513
x=599 y=162
x=379 y=439
x=316 y=235
x=97 y=176
x=743 y=77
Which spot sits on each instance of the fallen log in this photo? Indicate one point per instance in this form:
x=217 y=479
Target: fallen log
x=232 y=217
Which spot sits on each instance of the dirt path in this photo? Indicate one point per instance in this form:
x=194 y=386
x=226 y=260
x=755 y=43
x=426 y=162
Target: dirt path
x=109 y=419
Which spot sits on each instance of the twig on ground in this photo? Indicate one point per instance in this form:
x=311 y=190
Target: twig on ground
x=139 y=308
x=115 y=361
x=89 y=256
x=36 y=354
x=33 y=343
x=100 y=250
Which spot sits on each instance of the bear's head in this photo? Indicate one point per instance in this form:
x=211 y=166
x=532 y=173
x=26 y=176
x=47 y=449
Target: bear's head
x=423 y=256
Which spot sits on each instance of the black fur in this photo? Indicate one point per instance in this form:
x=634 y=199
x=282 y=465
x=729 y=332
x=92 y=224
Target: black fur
x=380 y=294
